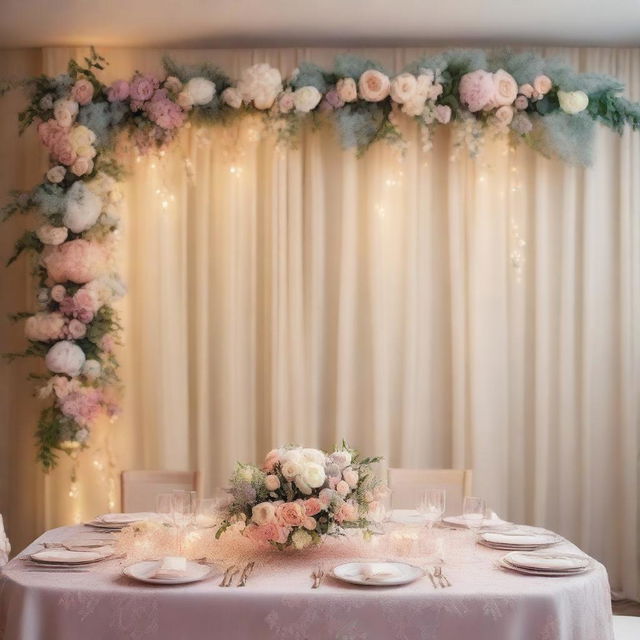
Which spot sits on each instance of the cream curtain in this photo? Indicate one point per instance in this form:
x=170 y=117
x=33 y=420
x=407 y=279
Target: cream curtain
x=430 y=308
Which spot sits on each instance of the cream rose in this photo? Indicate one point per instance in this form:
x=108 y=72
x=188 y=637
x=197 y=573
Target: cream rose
x=313 y=455
x=347 y=89
x=272 y=483
x=506 y=88
x=56 y=174
x=263 y=513
x=232 y=97
x=403 y=87
x=374 y=85
x=350 y=477
x=200 y=90
x=290 y=469
x=341 y=458
x=342 y=488
x=92 y=369
x=64 y=111
x=542 y=84
x=573 y=102
x=306 y=99
x=48 y=234
x=504 y=115
x=43 y=327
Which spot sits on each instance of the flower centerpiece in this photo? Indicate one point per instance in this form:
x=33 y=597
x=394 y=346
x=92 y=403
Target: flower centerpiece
x=301 y=495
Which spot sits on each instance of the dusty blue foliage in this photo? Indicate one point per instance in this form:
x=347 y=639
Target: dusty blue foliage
x=97 y=116
x=568 y=137
x=49 y=198
x=118 y=111
x=349 y=66
x=310 y=74
x=62 y=84
x=524 y=67
x=456 y=61
x=358 y=126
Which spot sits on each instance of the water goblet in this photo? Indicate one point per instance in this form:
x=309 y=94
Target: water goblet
x=432 y=506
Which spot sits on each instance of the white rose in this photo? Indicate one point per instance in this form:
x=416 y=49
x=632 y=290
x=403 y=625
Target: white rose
x=341 y=458
x=313 y=475
x=184 y=100
x=232 y=97
x=81 y=137
x=272 y=483
x=64 y=111
x=373 y=85
x=92 y=369
x=347 y=90
x=301 y=539
x=415 y=105
x=506 y=88
x=403 y=87
x=82 y=209
x=302 y=485
x=263 y=513
x=260 y=84
x=350 y=477
x=200 y=90
x=56 y=174
x=314 y=455
x=173 y=84
x=306 y=98
x=290 y=469
x=65 y=357
x=573 y=102
x=48 y=234
x=504 y=115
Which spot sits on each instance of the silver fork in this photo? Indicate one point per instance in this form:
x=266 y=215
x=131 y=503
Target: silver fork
x=433 y=580
x=246 y=573
x=232 y=575
x=226 y=575
x=444 y=581
x=317 y=576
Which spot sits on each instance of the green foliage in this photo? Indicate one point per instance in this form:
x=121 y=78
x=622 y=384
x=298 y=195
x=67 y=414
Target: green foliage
x=28 y=241
x=48 y=437
x=184 y=72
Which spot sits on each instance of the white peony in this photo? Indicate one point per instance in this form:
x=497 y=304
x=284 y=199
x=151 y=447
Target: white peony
x=290 y=469
x=374 y=85
x=200 y=90
x=347 y=89
x=306 y=98
x=314 y=455
x=301 y=539
x=65 y=357
x=313 y=475
x=56 y=174
x=573 y=102
x=263 y=513
x=92 y=369
x=303 y=487
x=341 y=458
x=48 y=234
x=82 y=209
x=232 y=97
x=260 y=84
x=403 y=87
x=64 y=111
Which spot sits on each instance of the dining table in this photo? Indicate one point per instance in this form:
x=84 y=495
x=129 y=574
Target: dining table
x=484 y=601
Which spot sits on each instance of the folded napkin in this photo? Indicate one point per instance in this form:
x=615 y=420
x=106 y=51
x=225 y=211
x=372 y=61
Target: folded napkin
x=378 y=572
x=65 y=556
x=492 y=521
x=124 y=518
x=516 y=538
x=171 y=567
x=558 y=562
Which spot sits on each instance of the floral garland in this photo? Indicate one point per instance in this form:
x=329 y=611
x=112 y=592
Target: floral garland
x=541 y=102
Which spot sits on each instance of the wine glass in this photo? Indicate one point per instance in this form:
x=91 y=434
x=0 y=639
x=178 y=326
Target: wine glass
x=207 y=513
x=473 y=511
x=164 y=506
x=432 y=506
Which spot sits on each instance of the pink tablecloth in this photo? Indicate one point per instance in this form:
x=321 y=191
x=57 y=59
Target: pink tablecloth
x=485 y=603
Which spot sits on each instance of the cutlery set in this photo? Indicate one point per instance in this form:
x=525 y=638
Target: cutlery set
x=233 y=571
x=438 y=579
x=317 y=576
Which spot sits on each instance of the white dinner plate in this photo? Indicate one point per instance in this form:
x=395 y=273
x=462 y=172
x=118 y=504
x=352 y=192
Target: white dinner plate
x=143 y=572
x=517 y=539
x=538 y=572
x=67 y=557
x=377 y=574
x=407 y=516
x=548 y=561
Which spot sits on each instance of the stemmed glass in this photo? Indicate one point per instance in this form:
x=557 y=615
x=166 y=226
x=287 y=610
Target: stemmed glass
x=183 y=510
x=432 y=506
x=473 y=512
x=164 y=507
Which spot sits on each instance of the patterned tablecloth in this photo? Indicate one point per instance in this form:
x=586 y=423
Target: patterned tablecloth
x=485 y=603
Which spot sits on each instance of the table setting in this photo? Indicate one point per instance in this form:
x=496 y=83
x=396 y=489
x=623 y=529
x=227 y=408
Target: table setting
x=254 y=563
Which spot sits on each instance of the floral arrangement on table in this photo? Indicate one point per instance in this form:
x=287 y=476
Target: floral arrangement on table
x=301 y=495
x=80 y=121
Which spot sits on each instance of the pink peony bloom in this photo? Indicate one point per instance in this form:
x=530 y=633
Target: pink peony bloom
x=163 y=111
x=266 y=533
x=79 y=261
x=443 y=113
x=312 y=506
x=348 y=512
x=118 y=91
x=143 y=87
x=50 y=132
x=374 y=85
x=82 y=91
x=82 y=405
x=44 y=327
x=477 y=90
x=290 y=513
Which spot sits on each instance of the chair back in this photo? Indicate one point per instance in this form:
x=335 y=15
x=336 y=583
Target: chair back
x=140 y=488
x=408 y=485
x=5 y=547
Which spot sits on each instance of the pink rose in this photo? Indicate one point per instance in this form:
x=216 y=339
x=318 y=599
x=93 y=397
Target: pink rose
x=118 y=91
x=64 y=152
x=272 y=483
x=82 y=405
x=325 y=497
x=286 y=102
x=526 y=90
x=44 y=327
x=271 y=459
x=443 y=113
x=163 y=111
x=373 y=85
x=506 y=88
x=477 y=90
x=78 y=260
x=504 y=115
x=51 y=131
x=309 y=523
x=81 y=166
x=348 y=512
x=312 y=506
x=107 y=343
x=58 y=293
x=290 y=513
x=342 y=488
x=542 y=85
x=521 y=103
x=347 y=90
x=350 y=477
x=82 y=91
x=266 y=533
x=142 y=87
x=77 y=329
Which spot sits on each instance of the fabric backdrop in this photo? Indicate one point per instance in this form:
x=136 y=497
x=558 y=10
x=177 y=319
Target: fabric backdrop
x=439 y=311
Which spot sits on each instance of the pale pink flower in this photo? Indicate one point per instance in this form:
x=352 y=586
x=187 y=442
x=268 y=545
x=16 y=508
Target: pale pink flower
x=142 y=87
x=326 y=496
x=58 y=292
x=82 y=91
x=347 y=89
x=44 y=327
x=271 y=459
x=312 y=506
x=348 y=512
x=77 y=329
x=443 y=113
x=63 y=151
x=350 y=477
x=309 y=523
x=521 y=103
x=163 y=111
x=78 y=260
x=290 y=513
x=526 y=90
x=504 y=115
x=477 y=90
x=542 y=84
x=286 y=101
x=342 y=488
x=118 y=91
x=506 y=88
x=82 y=405
x=81 y=166
x=272 y=483
x=374 y=85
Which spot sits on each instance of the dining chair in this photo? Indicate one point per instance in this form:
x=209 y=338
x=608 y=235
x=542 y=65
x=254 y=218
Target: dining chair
x=5 y=547
x=407 y=486
x=626 y=627
x=140 y=488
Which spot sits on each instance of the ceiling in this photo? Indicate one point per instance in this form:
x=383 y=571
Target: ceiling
x=223 y=23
